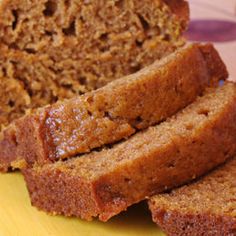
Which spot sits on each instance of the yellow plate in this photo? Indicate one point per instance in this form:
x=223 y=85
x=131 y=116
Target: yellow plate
x=18 y=218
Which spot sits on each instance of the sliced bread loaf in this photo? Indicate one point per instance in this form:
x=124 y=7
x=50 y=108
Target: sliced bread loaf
x=206 y=208
x=55 y=49
x=106 y=182
x=113 y=112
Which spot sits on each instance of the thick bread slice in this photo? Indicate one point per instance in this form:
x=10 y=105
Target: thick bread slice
x=113 y=112
x=56 y=49
x=207 y=207
x=105 y=183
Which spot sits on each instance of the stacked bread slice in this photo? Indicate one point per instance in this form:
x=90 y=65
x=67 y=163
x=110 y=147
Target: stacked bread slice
x=112 y=113
x=96 y=154
x=104 y=183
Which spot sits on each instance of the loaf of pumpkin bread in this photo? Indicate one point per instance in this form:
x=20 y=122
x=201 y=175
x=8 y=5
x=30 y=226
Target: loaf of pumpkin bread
x=113 y=112
x=104 y=183
x=207 y=207
x=56 y=49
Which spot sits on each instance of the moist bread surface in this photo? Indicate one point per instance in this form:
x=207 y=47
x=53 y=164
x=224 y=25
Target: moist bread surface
x=113 y=112
x=56 y=49
x=104 y=183
x=206 y=207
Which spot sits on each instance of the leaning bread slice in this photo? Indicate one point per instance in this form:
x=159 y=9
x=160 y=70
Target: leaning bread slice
x=207 y=207
x=56 y=49
x=106 y=182
x=113 y=112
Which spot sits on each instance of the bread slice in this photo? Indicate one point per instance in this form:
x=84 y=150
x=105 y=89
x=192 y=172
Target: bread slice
x=113 y=112
x=206 y=207
x=106 y=182
x=56 y=49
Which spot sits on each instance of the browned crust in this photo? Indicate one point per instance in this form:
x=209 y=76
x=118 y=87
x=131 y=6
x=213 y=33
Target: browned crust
x=215 y=65
x=181 y=10
x=34 y=132
x=176 y=223
x=121 y=183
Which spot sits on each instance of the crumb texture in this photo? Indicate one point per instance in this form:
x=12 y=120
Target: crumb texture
x=56 y=49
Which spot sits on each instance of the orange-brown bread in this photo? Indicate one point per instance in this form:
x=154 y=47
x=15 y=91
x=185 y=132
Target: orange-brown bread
x=206 y=207
x=56 y=49
x=115 y=111
x=104 y=183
